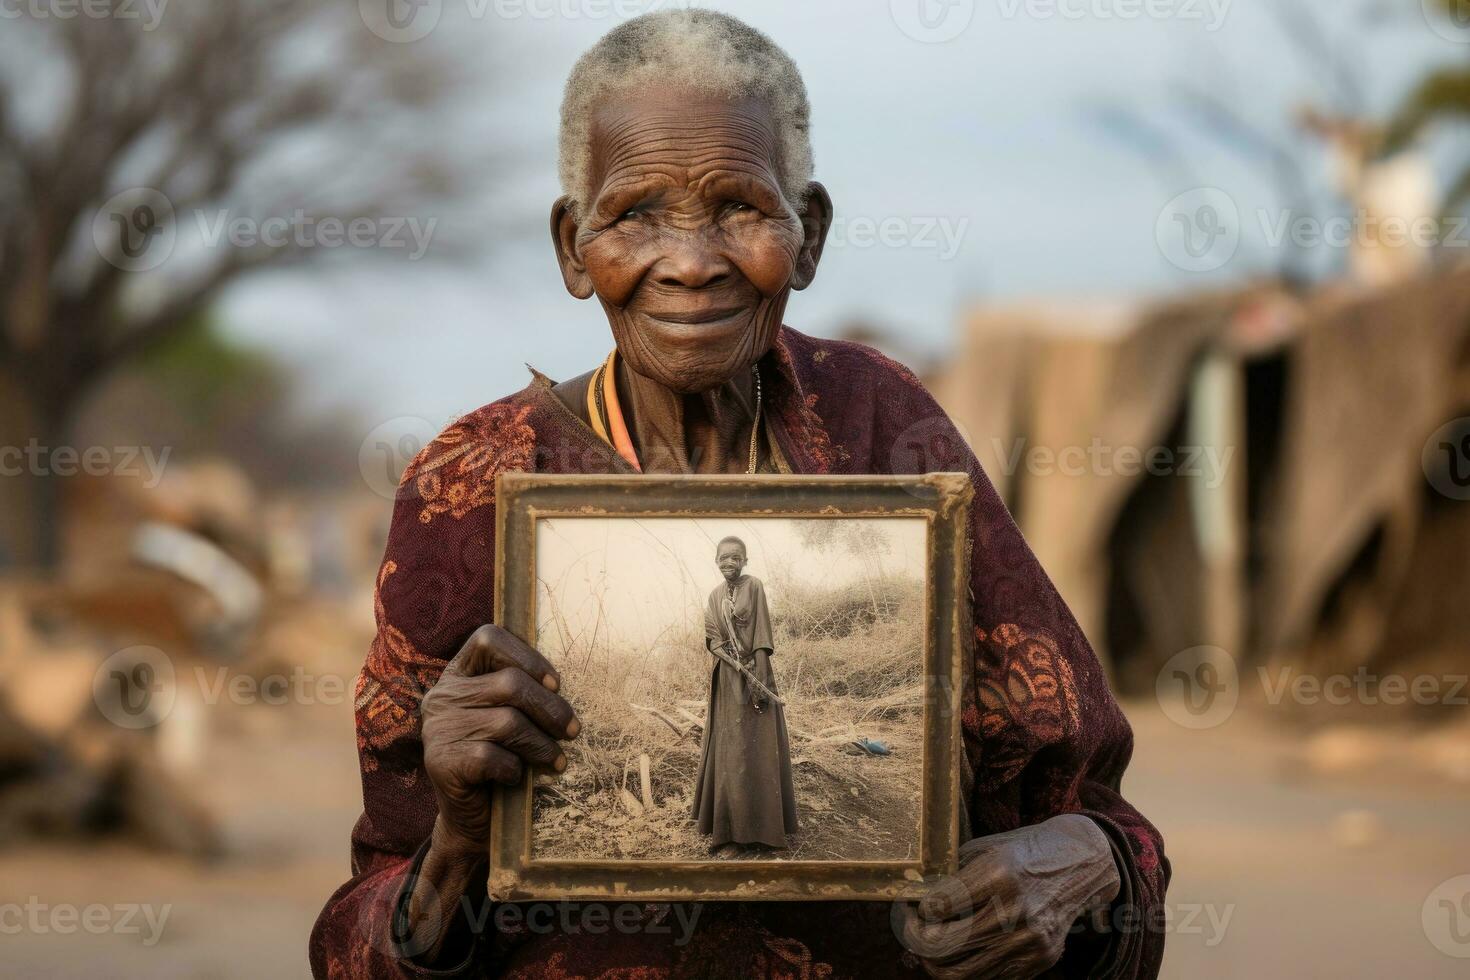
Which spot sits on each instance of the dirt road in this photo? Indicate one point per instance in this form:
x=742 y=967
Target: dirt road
x=1313 y=876
x=1278 y=873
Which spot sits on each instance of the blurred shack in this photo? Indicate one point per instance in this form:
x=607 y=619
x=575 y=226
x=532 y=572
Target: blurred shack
x=1256 y=470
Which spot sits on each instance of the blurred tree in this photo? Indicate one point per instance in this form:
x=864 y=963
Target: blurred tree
x=1327 y=42
x=1442 y=94
x=115 y=128
x=202 y=394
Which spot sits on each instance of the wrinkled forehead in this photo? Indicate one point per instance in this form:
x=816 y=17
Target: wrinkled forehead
x=680 y=137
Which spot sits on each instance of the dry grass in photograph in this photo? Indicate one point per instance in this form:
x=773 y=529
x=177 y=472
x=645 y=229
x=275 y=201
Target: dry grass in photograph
x=848 y=661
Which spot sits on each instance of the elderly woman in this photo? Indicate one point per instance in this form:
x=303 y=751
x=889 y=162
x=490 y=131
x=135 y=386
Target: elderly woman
x=690 y=213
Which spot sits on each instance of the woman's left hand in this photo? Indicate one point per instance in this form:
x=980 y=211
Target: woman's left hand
x=1008 y=910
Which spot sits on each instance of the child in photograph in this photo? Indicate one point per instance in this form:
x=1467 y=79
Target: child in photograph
x=743 y=793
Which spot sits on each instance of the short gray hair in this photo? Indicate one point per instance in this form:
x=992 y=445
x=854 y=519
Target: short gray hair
x=700 y=49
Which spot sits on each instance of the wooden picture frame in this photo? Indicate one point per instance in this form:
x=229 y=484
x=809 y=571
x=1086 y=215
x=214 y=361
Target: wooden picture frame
x=940 y=500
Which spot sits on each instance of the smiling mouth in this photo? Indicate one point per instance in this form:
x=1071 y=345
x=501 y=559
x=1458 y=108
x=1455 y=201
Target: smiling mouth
x=698 y=316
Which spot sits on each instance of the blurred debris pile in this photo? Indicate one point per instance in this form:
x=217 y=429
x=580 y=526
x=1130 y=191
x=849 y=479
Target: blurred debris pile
x=67 y=769
x=114 y=664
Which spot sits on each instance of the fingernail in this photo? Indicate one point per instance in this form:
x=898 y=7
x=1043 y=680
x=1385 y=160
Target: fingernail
x=550 y=681
x=573 y=727
x=560 y=763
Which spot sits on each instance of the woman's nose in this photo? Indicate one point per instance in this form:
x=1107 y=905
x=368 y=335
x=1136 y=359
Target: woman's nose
x=692 y=263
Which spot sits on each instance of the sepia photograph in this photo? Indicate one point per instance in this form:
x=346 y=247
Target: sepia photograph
x=766 y=675
x=750 y=687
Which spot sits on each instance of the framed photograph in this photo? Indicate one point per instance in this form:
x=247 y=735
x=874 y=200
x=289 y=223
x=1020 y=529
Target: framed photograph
x=767 y=670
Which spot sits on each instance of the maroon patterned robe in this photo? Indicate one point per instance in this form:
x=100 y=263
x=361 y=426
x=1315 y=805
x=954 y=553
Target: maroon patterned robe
x=1042 y=732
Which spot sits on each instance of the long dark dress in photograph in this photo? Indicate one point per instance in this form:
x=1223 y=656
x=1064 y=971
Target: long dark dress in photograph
x=743 y=792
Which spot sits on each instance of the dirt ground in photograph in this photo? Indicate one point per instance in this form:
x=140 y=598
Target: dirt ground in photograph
x=848 y=806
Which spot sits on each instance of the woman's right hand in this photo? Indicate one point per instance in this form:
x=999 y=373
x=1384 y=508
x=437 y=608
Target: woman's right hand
x=493 y=711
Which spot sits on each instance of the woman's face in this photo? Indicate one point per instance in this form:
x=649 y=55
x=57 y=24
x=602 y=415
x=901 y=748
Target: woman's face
x=730 y=559
x=688 y=242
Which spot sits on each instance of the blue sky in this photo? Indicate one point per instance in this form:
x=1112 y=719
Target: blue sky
x=984 y=154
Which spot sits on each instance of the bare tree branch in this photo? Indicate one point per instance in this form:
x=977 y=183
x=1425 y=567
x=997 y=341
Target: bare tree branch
x=204 y=109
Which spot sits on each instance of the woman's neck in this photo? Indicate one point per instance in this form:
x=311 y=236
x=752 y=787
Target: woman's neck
x=707 y=432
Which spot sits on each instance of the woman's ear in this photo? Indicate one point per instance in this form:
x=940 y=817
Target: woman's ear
x=564 y=239
x=816 y=221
